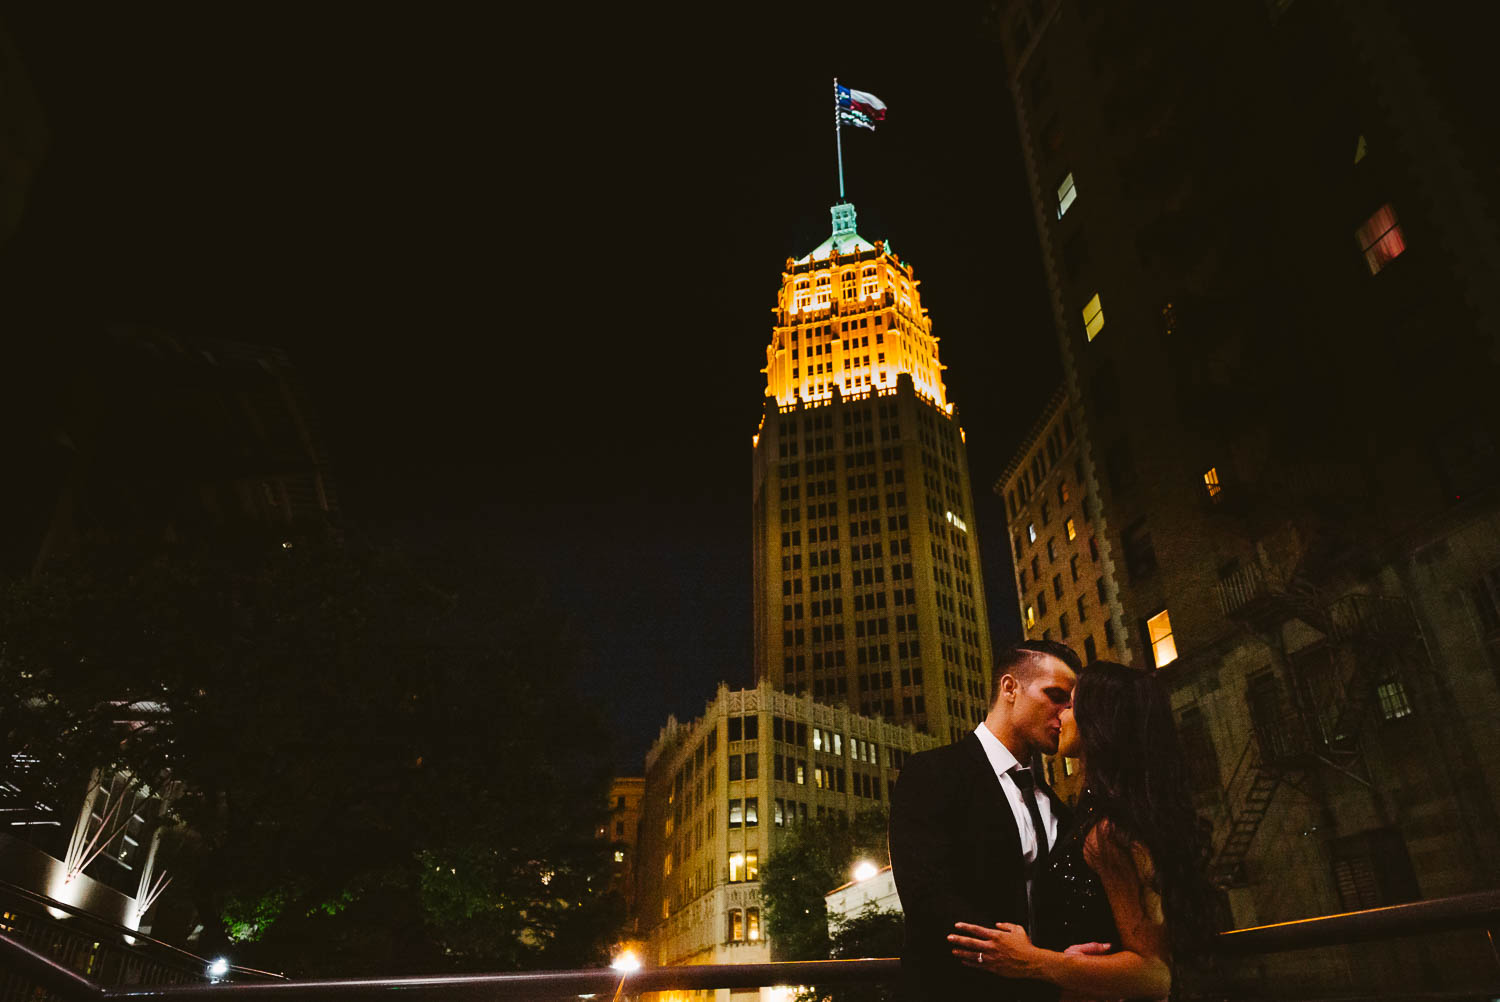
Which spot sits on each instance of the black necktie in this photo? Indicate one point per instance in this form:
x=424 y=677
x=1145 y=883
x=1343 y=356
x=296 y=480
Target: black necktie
x=1027 y=782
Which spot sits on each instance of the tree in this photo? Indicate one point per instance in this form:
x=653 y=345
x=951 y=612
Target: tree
x=813 y=858
x=872 y=933
x=386 y=765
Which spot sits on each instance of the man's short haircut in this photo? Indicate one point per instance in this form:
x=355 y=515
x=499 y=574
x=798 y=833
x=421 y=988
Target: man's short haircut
x=1021 y=661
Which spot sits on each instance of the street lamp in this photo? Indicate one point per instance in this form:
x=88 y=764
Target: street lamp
x=626 y=963
x=864 y=870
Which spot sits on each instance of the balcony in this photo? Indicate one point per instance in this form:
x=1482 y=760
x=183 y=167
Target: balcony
x=1249 y=595
x=1359 y=618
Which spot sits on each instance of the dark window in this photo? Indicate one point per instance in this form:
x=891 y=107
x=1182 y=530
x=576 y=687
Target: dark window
x=1120 y=466
x=1106 y=391
x=1140 y=553
x=1198 y=752
x=735 y=728
x=1372 y=869
x=1075 y=256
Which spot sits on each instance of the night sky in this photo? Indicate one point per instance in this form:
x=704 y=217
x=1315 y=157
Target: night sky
x=527 y=262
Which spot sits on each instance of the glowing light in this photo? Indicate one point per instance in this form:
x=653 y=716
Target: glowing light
x=1381 y=239
x=218 y=967
x=626 y=963
x=1163 y=647
x=957 y=522
x=864 y=870
x=1093 y=317
x=1066 y=193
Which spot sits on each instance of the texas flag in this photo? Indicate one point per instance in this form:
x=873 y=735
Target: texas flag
x=859 y=107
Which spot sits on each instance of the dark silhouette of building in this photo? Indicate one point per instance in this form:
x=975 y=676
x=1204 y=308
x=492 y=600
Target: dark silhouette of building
x=1270 y=237
x=159 y=437
x=149 y=440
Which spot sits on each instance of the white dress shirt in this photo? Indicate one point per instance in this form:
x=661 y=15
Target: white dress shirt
x=1002 y=761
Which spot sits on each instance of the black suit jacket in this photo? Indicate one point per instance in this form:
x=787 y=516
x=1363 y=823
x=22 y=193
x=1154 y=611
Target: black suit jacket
x=956 y=857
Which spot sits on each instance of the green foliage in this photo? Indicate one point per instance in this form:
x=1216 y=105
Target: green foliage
x=872 y=933
x=813 y=858
x=380 y=758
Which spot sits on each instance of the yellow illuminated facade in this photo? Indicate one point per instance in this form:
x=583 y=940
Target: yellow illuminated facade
x=721 y=794
x=868 y=590
x=850 y=319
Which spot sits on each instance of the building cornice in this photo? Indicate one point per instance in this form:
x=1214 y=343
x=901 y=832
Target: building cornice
x=1055 y=404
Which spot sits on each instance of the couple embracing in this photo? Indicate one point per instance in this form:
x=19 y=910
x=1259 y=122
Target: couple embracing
x=1008 y=893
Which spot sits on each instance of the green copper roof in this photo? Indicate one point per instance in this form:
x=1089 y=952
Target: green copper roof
x=844 y=240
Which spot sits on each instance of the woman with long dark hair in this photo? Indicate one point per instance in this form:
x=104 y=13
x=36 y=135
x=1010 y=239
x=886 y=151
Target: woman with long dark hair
x=1130 y=872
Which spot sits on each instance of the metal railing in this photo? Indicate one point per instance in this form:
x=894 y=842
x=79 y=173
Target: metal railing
x=1469 y=911
x=77 y=940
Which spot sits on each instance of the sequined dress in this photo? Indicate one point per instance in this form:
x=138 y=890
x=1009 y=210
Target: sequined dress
x=1071 y=906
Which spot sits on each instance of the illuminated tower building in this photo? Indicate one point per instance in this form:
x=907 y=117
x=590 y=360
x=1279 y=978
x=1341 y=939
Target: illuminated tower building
x=867 y=586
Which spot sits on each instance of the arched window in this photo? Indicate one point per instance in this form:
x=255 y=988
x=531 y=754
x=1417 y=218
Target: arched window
x=802 y=297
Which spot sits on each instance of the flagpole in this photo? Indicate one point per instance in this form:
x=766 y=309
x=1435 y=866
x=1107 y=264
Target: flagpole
x=838 y=135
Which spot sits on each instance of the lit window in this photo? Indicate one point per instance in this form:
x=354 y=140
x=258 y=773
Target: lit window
x=1211 y=482
x=1360 y=149
x=1066 y=193
x=1093 y=317
x=1393 y=702
x=752 y=924
x=736 y=925
x=619 y=855
x=1072 y=530
x=1163 y=647
x=1030 y=616
x=1031 y=532
x=1380 y=239
x=736 y=869
x=666 y=865
x=752 y=866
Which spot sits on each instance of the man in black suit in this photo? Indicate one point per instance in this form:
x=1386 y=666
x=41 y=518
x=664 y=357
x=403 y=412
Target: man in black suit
x=965 y=823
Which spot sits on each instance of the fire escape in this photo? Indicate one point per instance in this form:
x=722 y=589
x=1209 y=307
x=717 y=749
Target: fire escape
x=1309 y=717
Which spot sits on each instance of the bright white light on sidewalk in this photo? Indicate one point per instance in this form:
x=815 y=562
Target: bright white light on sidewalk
x=626 y=963
x=218 y=968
